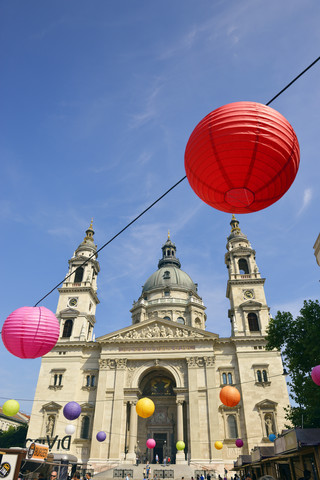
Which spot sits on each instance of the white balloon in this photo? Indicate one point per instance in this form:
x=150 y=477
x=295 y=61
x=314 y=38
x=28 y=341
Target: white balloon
x=70 y=429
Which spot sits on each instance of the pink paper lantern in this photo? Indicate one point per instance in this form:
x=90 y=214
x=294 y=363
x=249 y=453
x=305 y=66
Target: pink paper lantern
x=30 y=332
x=151 y=443
x=315 y=374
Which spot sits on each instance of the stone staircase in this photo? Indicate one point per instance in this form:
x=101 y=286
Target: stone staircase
x=170 y=472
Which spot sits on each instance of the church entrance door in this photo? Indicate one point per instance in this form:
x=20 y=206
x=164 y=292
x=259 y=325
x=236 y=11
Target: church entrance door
x=159 y=449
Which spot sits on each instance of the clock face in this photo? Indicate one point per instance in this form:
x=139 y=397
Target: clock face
x=248 y=294
x=73 y=302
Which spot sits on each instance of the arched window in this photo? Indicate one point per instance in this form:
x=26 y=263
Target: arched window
x=243 y=266
x=166 y=318
x=230 y=378
x=265 y=375
x=55 y=379
x=259 y=376
x=85 y=422
x=67 y=329
x=79 y=275
x=232 y=426
x=180 y=320
x=197 y=322
x=224 y=379
x=88 y=381
x=253 y=322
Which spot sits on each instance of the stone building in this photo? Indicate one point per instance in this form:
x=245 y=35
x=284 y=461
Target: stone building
x=167 y=355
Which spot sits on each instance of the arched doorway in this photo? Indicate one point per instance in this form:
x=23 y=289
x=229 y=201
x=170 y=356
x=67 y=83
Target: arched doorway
x=159 y=385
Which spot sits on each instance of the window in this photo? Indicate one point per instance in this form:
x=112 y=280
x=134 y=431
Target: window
x=197 y=322
x=67 y=329
x=90 y=381
x=180 y=320
x=167 y=293
x=79 y=275
x=166 y=274
x=261 y=375
x=243 y=266
x=253 y=322
x=231 y=422
x=56 y=379
x=226 y=376
x=166 y=318
x=85 y=423
x=232 y=426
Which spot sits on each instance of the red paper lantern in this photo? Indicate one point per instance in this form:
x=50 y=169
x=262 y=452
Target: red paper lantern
x=30 y=332
x=315 y=375
x=242 y=157
x=230 y=396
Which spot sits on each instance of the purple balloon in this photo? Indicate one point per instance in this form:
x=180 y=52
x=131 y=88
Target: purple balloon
x=72 y=410
x=315 y=375
x=239 y=442
x=101 y=436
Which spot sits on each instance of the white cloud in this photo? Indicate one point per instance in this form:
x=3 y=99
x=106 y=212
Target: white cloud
x=307 y=196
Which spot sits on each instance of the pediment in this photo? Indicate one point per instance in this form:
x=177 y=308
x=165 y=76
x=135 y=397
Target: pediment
x=69 y=312
x=158 y=329
x=250 y=304
x=85 y=407
x=51 y=406
x=266 y=404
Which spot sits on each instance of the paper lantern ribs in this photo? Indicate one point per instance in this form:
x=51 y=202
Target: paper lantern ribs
x=242 y=157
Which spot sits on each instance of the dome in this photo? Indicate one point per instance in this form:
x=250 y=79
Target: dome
x=169 y=273
x=169 y=276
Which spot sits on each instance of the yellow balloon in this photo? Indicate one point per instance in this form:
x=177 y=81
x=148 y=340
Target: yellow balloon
x=218 y=445
x=11 y=408
x=145 y=407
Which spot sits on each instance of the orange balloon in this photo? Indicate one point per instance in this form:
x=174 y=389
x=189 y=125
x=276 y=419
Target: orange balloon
x=145 y=407
x=230 y=396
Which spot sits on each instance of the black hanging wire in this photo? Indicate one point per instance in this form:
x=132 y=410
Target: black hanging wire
x=166 y=193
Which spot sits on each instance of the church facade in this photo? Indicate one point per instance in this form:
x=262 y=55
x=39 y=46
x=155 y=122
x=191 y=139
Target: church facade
x=166 y=354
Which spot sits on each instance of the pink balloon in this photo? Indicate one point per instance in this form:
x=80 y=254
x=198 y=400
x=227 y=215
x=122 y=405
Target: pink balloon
x=151 y=443
x=315 y=374
x=30 y=332
x=239 y=443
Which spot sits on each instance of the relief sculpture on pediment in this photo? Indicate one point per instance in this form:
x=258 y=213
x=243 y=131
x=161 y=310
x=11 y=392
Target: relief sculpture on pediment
x=157 y=332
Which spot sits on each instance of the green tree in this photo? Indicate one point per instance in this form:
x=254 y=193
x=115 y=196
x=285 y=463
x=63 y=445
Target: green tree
x=14 y=437
x=299 y=341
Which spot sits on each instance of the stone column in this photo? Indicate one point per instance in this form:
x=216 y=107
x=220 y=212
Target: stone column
x=194 y=414
x=212 y=407
x=180 y=420
x=102 y=415
x=131 y=455
x=180 y=455
x=117 y=433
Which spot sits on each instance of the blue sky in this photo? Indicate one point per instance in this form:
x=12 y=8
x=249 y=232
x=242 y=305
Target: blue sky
x=98 y=100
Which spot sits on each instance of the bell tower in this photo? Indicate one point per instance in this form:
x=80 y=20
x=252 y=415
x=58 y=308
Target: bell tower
x=78 y=295
x=249 y=312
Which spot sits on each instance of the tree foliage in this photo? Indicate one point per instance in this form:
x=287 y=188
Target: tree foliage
x=299 y=341
x=14 y=437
